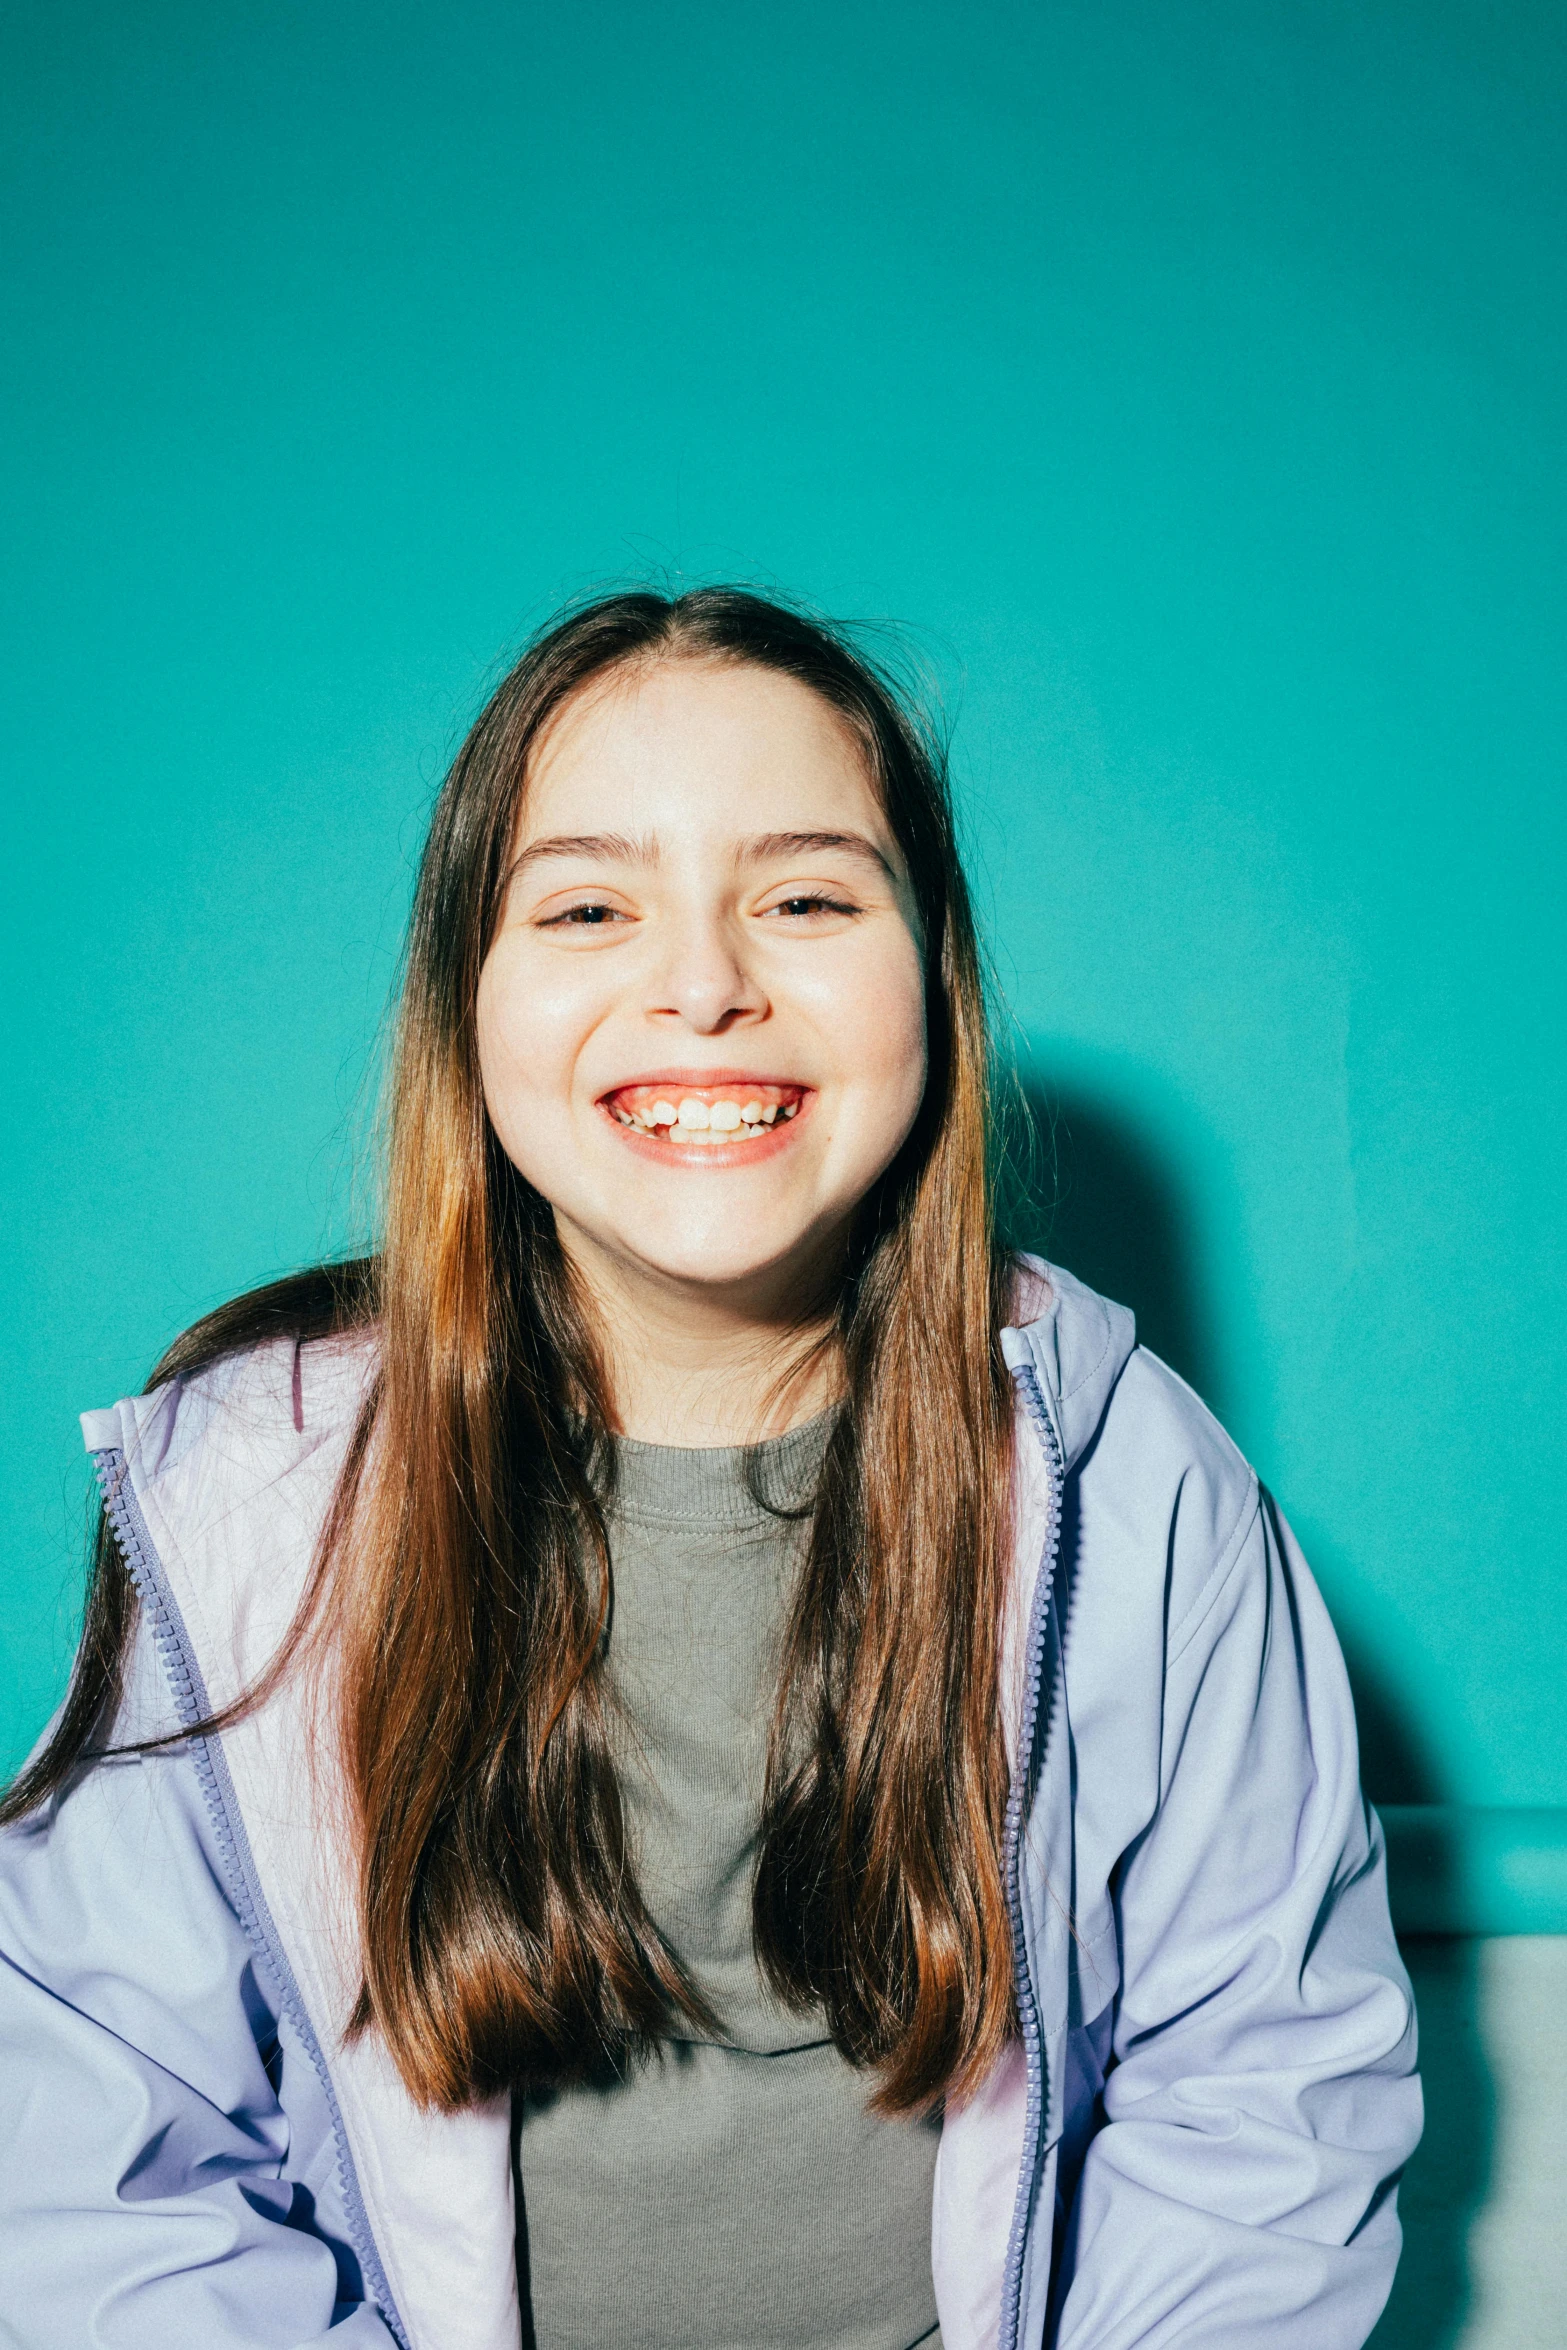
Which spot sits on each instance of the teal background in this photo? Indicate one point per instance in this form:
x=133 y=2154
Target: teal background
x=1190 y=377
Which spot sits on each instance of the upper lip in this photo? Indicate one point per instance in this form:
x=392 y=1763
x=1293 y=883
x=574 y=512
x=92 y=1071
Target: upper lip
x=701 y=1077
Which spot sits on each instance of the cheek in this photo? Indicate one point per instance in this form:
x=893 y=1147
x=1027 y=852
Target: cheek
x=527 y=1037
x=908 y=1058
x=884 y=1020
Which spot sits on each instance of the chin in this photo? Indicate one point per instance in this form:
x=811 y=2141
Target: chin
x=713 y=1254
x=713 y=1265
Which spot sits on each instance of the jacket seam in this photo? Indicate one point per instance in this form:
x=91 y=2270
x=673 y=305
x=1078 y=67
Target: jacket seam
x=1186 y=1629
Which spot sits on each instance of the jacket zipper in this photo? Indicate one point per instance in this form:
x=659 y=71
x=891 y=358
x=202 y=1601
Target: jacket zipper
x=184 y=1677
x=1028 y=2011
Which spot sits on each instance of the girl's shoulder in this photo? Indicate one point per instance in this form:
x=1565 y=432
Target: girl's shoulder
x=252 y=1416
x=218 y=1484
x=1163 y=1497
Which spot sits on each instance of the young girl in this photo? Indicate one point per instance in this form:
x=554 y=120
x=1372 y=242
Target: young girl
x=690 y=1757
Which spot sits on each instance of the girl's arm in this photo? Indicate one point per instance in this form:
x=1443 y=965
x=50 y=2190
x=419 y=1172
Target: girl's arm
x=1261 y=2096
x=150 y=2177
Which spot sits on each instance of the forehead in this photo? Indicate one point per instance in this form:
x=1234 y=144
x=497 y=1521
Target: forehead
x=682 y=745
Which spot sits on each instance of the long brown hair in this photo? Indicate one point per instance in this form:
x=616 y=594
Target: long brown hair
x=464 y=1575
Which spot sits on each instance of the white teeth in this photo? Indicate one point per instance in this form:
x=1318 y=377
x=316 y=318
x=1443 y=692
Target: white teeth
x=703 y=1122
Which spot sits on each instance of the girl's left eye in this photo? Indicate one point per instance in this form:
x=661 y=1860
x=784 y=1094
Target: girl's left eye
x=816 y=903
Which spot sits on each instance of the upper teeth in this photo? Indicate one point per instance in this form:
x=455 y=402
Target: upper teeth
x=698 y=1117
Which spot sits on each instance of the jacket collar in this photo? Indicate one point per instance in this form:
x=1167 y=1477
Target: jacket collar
x=1076 y=1343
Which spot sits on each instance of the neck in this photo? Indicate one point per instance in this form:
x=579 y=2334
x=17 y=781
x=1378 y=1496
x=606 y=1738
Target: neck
x=706 y=1365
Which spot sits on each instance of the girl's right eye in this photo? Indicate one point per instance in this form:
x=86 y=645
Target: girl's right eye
x=586 y=917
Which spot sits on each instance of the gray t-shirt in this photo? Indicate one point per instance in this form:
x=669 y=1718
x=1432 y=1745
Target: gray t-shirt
x=733 y=2194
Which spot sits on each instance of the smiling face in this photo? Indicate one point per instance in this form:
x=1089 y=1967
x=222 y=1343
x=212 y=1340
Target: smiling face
x=701 y=1022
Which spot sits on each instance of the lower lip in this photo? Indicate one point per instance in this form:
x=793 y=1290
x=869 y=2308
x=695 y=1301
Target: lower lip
x=719 y=1156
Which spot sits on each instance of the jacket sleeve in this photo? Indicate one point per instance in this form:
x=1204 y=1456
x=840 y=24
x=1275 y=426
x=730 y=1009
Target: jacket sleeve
x=1260 y=2097
x=146 y=2193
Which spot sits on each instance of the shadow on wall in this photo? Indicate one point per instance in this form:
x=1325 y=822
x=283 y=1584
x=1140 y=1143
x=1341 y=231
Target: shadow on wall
x=1090 y=1191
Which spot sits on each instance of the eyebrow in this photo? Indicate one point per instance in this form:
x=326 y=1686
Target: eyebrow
x=765 y=845
x=620 y=848
x=604 y=846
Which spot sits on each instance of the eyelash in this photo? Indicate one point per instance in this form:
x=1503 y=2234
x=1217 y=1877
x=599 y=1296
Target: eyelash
x=817 y=902
x=594 y=914
x=587 y=917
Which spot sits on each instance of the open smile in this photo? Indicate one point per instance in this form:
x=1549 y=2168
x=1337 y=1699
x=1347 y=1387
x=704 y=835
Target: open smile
x=737 y=1116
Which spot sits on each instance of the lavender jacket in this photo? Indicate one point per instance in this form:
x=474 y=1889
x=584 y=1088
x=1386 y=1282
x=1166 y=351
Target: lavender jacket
x=1195 y=2140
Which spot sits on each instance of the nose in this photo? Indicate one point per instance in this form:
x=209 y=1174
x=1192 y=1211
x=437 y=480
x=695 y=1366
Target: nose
x=704 y=979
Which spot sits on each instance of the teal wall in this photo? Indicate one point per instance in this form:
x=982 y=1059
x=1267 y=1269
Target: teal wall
x=1190 y=375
